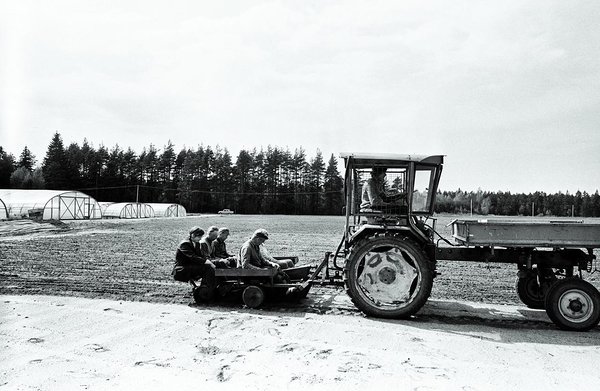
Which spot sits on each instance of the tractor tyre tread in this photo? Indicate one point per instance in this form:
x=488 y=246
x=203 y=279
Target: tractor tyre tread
x=426 y=278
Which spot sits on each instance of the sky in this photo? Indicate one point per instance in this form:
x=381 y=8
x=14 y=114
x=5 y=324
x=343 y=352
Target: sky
x=508 y=91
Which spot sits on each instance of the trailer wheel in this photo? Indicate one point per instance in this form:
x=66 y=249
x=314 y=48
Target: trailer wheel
x=388 y=276
x=533 y=287
x=253 y=296
x=573 y=304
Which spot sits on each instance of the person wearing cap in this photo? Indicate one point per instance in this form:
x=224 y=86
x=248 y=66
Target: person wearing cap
x=220 y=248
x=191 y=263
x=374 y=196
x=253 y=257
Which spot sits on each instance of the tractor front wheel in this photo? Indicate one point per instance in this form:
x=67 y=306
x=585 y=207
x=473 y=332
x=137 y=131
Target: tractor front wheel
x=388 y=276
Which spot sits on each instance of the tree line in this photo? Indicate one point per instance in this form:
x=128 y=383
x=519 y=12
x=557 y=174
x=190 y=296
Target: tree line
x=204 y=179
x=580 y=204
x=271 y=181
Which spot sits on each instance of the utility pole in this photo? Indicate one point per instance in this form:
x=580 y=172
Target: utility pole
x=137 y=200
x=532 y=209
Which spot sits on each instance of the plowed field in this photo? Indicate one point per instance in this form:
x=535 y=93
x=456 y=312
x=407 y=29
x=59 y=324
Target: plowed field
x=132 y=259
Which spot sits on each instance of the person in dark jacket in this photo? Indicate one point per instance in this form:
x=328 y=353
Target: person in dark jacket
x=220 y=248
x=191 y=263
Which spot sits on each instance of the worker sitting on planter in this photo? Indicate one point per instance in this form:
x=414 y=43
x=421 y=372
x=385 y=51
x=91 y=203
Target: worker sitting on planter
x=254 y=256
x=207 y=249
x=219 y=248
x=191 y=263
x=206 y=243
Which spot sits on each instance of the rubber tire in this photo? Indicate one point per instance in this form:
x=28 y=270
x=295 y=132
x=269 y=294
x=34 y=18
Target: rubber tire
x=424 y=266
x=553 y=304
x=529 y=291
x=253 y=296
x=203 y=294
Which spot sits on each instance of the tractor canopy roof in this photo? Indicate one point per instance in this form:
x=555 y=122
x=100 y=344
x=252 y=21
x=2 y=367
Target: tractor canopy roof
x=362 y=160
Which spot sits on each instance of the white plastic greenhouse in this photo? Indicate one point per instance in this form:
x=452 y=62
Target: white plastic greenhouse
x=49 y=204
x=104 y=205
x=128 y=210
x=168 y=210
x=3 y=212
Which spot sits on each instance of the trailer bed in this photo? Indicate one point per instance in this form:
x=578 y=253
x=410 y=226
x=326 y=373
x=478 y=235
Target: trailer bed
x=526 y=233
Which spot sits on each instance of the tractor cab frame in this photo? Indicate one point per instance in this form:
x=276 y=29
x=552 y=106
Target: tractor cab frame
x=414 y=177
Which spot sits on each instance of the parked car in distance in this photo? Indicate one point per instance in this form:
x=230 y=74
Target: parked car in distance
x=225 y=212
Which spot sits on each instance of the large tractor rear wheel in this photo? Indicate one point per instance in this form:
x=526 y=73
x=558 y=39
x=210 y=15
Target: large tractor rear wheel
x=388 y=276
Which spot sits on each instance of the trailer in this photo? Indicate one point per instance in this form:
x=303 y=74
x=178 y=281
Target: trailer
x=551 y=257
x=526 y=233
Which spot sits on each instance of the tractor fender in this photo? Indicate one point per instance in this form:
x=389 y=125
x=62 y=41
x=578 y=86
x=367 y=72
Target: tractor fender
x=367 y=230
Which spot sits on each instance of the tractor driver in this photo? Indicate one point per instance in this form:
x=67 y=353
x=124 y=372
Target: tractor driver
x=374 y=196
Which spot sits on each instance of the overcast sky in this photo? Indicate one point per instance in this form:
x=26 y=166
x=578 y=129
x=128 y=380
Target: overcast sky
x=509 y=91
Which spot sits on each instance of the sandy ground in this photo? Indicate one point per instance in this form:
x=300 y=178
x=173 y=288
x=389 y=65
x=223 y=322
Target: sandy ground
x=65 y=343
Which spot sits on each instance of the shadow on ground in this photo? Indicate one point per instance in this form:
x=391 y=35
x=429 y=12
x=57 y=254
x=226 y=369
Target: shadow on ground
x=501 y=323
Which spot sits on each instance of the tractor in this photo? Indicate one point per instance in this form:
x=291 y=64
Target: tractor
x=389 y=250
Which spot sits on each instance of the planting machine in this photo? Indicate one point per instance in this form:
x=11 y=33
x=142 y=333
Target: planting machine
x=387 y=257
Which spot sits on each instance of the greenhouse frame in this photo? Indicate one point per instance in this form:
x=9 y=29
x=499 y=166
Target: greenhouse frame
x=104 y=205
x=168 y=210
x=49 y=204
x=3 y=211
x=127 y=210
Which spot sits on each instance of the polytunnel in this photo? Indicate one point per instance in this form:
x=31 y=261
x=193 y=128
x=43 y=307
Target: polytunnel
x=3 y=212
x=168 y=210
x=104 y=205
x=49 y=204
x=128 y=210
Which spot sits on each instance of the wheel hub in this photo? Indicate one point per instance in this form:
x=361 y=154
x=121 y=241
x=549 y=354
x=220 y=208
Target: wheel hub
x=387 y=277
x=576 y=305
